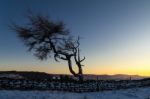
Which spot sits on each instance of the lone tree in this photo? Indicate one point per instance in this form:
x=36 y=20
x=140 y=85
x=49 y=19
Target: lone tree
x=46 y=38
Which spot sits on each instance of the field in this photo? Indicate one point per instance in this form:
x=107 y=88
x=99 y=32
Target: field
x=136 y=93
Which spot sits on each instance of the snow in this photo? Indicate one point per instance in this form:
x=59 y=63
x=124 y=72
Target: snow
x=136 y=93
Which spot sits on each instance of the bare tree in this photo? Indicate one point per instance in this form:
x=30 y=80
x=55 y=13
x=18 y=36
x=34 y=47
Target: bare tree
x=46 y=38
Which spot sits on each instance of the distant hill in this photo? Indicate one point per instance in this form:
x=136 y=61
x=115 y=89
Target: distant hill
x=43 y=75
x=25 y=75
x=114 y=77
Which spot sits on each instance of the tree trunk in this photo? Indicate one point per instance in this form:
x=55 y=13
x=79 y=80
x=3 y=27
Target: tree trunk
x=79 y=74
x=70 y=68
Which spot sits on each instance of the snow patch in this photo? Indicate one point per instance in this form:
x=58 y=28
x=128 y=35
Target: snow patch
x=136 y=93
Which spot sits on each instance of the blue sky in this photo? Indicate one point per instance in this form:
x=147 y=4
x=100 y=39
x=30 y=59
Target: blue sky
x=115 y=34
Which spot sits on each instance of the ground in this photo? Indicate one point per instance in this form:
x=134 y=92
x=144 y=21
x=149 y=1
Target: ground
x=136 y=93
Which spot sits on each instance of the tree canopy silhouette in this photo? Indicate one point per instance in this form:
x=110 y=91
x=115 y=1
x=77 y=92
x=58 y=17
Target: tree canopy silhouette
x=46 y=38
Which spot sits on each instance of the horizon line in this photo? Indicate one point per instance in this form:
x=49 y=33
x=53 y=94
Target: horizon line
x=71 y=74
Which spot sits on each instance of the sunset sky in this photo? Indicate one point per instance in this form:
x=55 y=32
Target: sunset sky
x=115 y=35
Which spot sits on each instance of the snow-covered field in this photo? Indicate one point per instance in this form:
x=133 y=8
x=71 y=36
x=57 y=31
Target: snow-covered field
x=138 y=93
